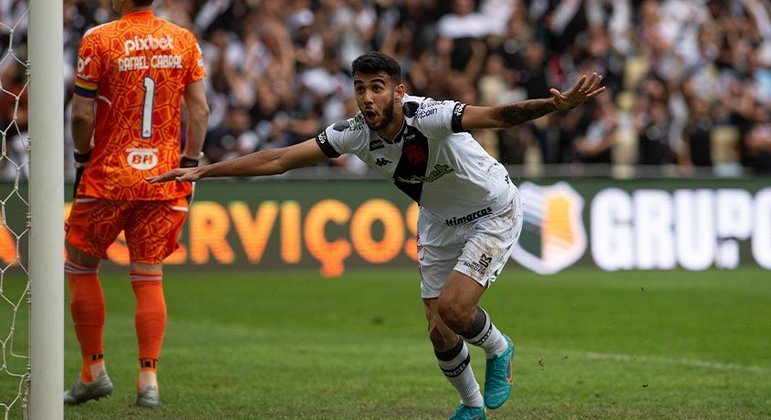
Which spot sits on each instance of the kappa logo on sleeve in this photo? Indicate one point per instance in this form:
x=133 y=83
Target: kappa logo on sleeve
x=458 y=110
x=322 y=137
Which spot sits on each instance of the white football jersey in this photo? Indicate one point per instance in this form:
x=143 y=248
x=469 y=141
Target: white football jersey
x=432 y=160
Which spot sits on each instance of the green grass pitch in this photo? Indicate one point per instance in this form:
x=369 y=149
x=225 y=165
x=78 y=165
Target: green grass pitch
x=295 y=345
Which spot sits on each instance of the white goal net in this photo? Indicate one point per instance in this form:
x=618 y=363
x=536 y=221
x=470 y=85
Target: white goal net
x=14 y=232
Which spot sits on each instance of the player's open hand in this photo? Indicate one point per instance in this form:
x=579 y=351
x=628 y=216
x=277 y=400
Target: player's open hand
x=585 y=88
x=179 y=175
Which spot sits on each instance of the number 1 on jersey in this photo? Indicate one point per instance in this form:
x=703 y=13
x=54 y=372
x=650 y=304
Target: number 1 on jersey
x=147 y=107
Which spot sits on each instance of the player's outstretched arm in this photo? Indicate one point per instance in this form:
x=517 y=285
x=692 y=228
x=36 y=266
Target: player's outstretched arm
x=509 y=115
x=264 y=162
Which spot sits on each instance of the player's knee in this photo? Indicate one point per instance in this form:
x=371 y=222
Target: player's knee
x=80 y=257
x=146 y=268
x=457 y=317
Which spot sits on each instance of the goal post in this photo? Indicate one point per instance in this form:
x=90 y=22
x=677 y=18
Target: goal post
x=46 y=210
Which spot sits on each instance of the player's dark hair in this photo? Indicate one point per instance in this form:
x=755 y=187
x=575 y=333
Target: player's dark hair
x=376 y=62
x=142 y=3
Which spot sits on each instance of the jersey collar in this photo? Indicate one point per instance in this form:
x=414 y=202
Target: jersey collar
x=399 y=134
x=138 y=14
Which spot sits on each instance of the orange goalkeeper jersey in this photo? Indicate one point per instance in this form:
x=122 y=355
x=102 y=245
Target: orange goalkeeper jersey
x=136 y=68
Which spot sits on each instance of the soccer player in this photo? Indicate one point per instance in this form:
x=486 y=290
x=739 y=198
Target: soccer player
x=470 y=211
x=133 y=74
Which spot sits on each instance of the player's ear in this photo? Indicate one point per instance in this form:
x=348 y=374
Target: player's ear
x=399 y=92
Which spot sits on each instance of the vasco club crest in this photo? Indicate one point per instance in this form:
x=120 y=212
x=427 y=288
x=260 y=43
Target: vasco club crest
x=553 y=234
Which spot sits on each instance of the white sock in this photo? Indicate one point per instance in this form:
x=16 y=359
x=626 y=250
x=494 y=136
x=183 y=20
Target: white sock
x=456 y=367
x=484 y=334
x=147 y=378
x=96 y=369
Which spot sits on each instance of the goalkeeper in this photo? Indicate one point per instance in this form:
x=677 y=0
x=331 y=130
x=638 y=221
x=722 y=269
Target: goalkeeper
x=470 y=211
x=133 y=74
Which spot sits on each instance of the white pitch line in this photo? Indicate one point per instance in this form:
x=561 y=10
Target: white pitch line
x=683 y=362
x=652 y=359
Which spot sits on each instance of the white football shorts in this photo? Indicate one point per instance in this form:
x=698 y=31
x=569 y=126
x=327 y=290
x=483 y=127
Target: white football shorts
x=479 y=248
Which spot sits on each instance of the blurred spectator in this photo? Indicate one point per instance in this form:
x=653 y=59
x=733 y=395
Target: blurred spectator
x=696 y=146
x=614 y=16
x=560 y=23
x=754 y=122
x=756 y=142
x=653 y=130
x=512 y=44
x=233 y=139
x=567 y=128
x=601 y=57
x=422 y=74
x=308 y=44
x=459 y=36
x=595 y=143
x=497 y=14
x=532 y=75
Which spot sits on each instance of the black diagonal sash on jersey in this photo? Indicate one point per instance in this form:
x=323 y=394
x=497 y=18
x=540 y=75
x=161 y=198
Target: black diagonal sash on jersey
x=411 y=170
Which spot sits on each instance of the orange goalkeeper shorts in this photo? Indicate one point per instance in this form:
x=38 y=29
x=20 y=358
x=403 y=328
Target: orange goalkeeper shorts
x=151 y=227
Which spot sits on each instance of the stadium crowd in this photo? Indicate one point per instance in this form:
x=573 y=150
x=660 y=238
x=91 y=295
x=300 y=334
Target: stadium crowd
x=689 y=81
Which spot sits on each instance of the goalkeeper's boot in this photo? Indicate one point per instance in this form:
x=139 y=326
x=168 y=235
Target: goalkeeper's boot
x=82 y=392
x=148 y=397
x=498 y=377
x=465 y=412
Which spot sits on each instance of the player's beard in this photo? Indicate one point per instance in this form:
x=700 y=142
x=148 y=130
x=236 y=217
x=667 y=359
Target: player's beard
x=386 y=117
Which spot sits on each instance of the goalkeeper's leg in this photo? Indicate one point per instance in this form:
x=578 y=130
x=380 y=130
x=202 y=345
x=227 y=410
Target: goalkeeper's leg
x=91 y=227
x=151 y=236
x=150 y=323
x=87 y=308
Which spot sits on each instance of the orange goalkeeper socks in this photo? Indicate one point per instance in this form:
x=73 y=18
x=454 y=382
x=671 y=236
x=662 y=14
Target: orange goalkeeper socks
x=87 y=308
x=150 y=317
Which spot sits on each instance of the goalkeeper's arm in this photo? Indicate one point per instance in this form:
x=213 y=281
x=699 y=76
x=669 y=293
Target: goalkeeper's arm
x=82 y=120
x=197 y=122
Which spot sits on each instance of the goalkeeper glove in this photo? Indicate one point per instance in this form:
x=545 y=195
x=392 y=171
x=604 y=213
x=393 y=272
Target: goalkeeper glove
x=188 y=162
x=81 y=159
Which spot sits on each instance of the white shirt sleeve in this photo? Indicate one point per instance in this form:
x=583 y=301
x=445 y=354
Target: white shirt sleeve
x=438 y=119
x=342 y=137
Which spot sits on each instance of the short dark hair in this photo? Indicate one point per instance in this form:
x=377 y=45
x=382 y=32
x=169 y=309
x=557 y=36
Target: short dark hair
x=142 y=3
x=376 y=62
